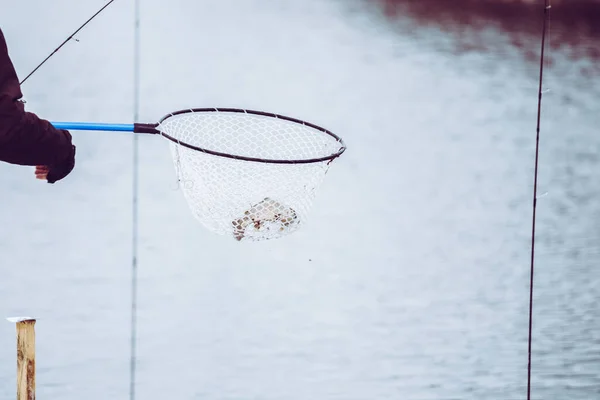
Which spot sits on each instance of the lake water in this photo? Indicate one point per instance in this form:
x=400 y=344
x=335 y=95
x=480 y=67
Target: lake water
x=411 y=279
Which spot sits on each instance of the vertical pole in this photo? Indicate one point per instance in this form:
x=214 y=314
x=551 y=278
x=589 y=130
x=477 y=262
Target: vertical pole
x=25 y=358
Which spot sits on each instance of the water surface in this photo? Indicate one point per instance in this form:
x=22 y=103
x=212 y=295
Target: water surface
x=411 y=279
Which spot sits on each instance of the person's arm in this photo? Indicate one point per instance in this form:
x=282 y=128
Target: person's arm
x=26 y=139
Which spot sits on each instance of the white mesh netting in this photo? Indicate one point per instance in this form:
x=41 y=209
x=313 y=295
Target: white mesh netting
x=249 y=200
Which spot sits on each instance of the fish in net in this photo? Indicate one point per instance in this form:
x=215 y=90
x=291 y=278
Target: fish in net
x=250 y=175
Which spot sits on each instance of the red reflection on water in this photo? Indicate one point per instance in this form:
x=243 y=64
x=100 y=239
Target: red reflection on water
x=574 y=23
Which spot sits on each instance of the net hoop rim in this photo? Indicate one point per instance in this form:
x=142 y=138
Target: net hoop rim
x=329 y=158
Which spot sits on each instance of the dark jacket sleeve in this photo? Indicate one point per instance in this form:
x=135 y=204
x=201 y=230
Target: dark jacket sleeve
x=25 y=139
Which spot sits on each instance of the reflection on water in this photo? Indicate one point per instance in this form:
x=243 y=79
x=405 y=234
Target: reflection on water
x=574 y=23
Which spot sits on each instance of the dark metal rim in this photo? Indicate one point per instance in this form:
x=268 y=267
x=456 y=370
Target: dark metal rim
x=254 y=159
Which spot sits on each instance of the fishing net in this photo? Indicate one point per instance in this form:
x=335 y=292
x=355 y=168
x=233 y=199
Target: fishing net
x=248 y=174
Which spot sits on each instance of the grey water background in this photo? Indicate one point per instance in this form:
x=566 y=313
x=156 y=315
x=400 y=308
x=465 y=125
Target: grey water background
x=411 y=279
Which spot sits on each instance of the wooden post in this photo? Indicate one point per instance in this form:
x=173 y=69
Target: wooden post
x=25 y=357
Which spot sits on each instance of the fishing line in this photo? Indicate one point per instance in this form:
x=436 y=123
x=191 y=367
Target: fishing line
x=135 y=190
x=66 y=40
x=535 y=180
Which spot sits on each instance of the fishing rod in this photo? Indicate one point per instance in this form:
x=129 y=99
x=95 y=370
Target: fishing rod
x=67 y=40
x=547 y=7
